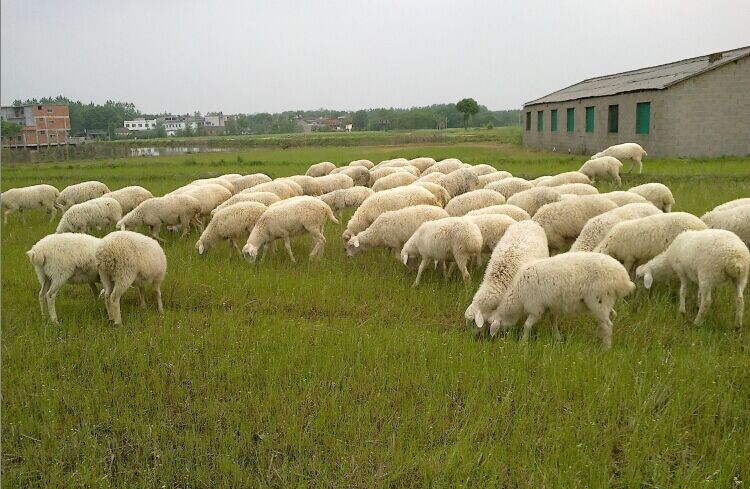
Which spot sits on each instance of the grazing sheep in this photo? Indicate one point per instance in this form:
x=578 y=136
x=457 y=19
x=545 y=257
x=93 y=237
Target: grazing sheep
x=482 y=169
x=95 y=213
x=209 y=196
x=422 y=163
x=431 y=177
x=510 y=186
x=233 y=223
x=129 y=197
x=604 y=167
x=625 y=151
x=59 y=259
x=445 y=166
x=459 y=182
x=309 y=185
x=454 y=238
x=563 y=178
x=636 y=241
x=476 y=199
x=249 y=181
x=378 y=173
x=577 y=189
x=231 y=177
x=215 y=181
x=27 y=198
x=492 y=227
x=394 y=228
x=265 y=198
x=439 y=192
x=359 y=174
x=493 y=177
x=516 y=213
x=622 y=197
x=732 y=203
x=522 y=242
x=395 y=162
x=394 y=180
x=296 y=187
x=346 y=198
x=80 y=192
x=532 y=199
x=363 y=163
x=125 y=258
x=734 y=218
x=289 y=218
x=565 y=284
x=329 y=183
x=280 y=188
x=707 y=258
x=656 y=193
x=170 y=210
x=320 y=169
x=598 y=227
x=564 y=220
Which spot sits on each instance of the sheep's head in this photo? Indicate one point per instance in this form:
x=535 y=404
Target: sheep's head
x=121 y=225
x=346 y=236
x=199 y=246
x=250 y=252
x=352 y=246
x=644 y=272
x=598 y=155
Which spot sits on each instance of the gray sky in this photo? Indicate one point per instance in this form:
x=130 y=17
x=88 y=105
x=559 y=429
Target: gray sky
x=255 y=56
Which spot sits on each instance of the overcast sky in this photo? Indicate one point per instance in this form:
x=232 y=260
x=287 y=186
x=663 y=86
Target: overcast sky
x=257 y=56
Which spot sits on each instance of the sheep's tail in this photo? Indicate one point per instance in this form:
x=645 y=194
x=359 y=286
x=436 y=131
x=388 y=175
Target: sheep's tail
x=331 y=216
x=36 y=258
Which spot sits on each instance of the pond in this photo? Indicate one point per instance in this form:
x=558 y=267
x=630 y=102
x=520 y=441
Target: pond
x=174 y=150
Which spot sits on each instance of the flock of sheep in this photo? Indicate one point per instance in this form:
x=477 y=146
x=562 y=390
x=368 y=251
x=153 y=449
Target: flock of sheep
x=556 y=244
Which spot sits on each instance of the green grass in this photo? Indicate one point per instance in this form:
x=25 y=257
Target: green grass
x=338 y=373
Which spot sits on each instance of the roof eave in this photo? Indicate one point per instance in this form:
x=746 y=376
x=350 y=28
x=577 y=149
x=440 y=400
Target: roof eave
x=536 y=102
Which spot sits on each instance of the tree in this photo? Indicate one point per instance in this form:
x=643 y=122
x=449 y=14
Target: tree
x=468 y=107
x=9 y=129
x=359 y=120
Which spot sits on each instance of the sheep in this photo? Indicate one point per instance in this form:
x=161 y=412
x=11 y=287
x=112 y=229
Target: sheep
x=233 y=223
x=476 y=199
x=422 y=163
x=445 y=166
x=320 y=169
x=625 y=151
x=171 y=210
x=95 y=213
x=622 y=197
x=303 y=185
x=231 y=177
x=598 y=227
x=732 y=203
x=656 y=193
x=459 y=182
x=510 y=186
x=564 y=220
x=454 y=238
x=493 y=177
x=387 y=200
x=532 y=199
x=378 y=173
x=249 y=181
x=80 y=192
x=430 y=177
x=707 y=258
x=281 y=189
x=482 y=169
x=210 y=196
x=565 y=284
x=129 y=197
x=636 y=241
x=125 y=258
x=296 y=187
x=492 y=227
x=329 y=183
x=577 y=189
x=394 y=180
x=63 y=258
x=393 y=228
x=293 y=217
x=359 y=174
x=265 y=198
x=346 y=198
x=735 y=219
x=439 y=192
x=395 y=162
x=215 y=181
x=606 y=166
x=27 y=198
x=563 y=178
x=363 y=163
x=516 y=213
x=522 y=242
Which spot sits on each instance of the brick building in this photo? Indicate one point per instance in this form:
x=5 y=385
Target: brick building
x=42 y=125
x=698 y=107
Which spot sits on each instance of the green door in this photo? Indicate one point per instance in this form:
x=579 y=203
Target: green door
x=571 y=123
x=553 y=120
x=540 y=120
x=642 y=117
x=589 y=119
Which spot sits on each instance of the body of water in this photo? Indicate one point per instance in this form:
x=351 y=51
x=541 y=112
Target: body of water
x=171 y=151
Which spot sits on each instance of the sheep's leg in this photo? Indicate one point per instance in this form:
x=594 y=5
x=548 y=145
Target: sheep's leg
x=640 y=164
x=422 y=265
x=107 y=289
x=461 y=262
x=447 y=273
x=683 y=293
x=530 y=322
x=739 y=299
x=704 y=291
x=288 y=247
x=43 y=296
x=185 y=226
x=114 y=302
x=52 y=213
x=618 y=180
x=605 y=330
x=94 y=290
x=141 y=296
x=155 y=233
x=5 y=215
x=555 y=328
x=52 y=295
x=630 y=268
x=320 y=242
x=159 y=305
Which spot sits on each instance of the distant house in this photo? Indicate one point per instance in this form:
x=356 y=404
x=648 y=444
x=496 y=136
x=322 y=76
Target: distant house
x=96 y=133
x=42 y=125
x=214 y=123
x=172 y=124
x=121 y=132
x=140 y=124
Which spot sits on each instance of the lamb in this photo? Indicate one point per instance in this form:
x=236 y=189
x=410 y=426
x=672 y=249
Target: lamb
x=249 y=181
x=532 y=199
x=439 y=192
x=27 y=198
x=394 y=180
x=707 y=258
x=346 y=198
x=577 y=189
x=510 y=186
x=422 y=163
x=492 y=227
x=450 y=238
x=378 y=173
x=732 y=203
x=603 y=167
x=215 y=181
x=656 y=193
x=563 y=178
x=281 y=189
x=171 y=210
x=283 y=220
x=231 y=177
x=95 y=213
x=320 y=169
x=430 y=177
x=563 y=221
x=308 y=185
x=63 y=258
x=233 y=223
x=459 y=182
x=735 y=219
x=296 y=187
x=522 y=242
x=625 y=151
x=565 y=284
x=80 y=192
x=445 y=166
x=129 y=197
x=265 y=198
x=363 y=163
x=493 y=177
x=482 y=169
x=209 y=196
x=359 y=174
x=125 y=258
x=393 y=163
x=476 y=199
x=393 y=228
x=516 y=213
x=329 y=183
x=621 y=198
x=636 y=241
x=598 y=227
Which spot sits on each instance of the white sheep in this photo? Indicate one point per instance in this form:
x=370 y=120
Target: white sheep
x=363 y=163
x=422 y=163
x=439 y=192
x=622 y=197
x=455 y=238
x=309 y=185
x=394 y=180
x=395 y=162
x=636 y=241
x=59 y=259
x=320 y=169
x=576 y=189
x=733 y=218
x=565 y=284
x=598 y=227
x=707 y=258
x=265 y=198
x=493 y=177
x=129 y=197
x=492 y=227
x=289 y=218
x=459 y=182
x=170 y=210
x=516 y=213
x=296 y=187
x=378 y=173
x=532 y=199
x=510 y=186
x=563 y=221
x=338 y=181
x=27 y=198
x=215 y=181
x=359 y=174
x=231 y=177
x=476 y=199
x=249 y=181
x=80 y=192
x=603 y=167
x=95 y=213
x=430 y=177
x=656 y=193
x=125 y=258
x=482 y=169
x=563 y=178
x=625 y=151
x=445 y=166
x=346 y=198
x=281 y=189
x=233 y=223
x=210 y=196
x=732 y=203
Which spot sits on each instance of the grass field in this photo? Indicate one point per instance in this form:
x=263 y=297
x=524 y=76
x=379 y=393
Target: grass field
x=338 y=373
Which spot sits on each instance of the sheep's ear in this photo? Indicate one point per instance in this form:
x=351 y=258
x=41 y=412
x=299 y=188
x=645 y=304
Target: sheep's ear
x=405 y=258
x=479 y=319
x=648 y=280
x=356 y=242
x=200 y=248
